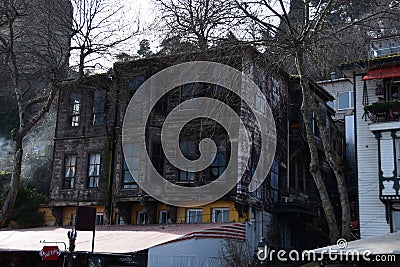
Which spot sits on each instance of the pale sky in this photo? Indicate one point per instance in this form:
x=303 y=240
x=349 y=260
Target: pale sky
x=134 y=10
x=144 y=11
x=147 y=12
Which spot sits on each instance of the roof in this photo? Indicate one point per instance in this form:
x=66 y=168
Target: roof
x=370 y=63
x=218 y=54
x=334 y=80
x=320 y=91
x=385 y=244
x=118 y=238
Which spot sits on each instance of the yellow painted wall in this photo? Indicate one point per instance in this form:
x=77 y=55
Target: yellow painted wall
x=48 y=218
x=67 y=215
x=207 y=212
x=99 y=209
x=135 y=210
x=181 y=215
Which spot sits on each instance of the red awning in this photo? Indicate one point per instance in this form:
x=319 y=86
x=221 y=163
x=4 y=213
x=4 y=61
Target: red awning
x=382 y=73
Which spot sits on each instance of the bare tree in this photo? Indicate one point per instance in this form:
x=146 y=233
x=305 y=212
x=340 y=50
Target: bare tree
x=303 y=26
x=32 y=73
x=236 y=253
x=98 y=26
x=198 y=21
x=35 y=41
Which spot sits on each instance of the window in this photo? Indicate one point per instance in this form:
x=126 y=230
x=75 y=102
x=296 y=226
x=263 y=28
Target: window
x=99 y=218
x=274 y=182
x=98 y=110
x=275 y=91
x=396 y=221
x=220 y=215
x=94 y=170
x=188 y=91
x=129 y=181
x=394 y=91
x=314 y=125
x=254 y=157
x=141 y=217
x=298 y=180
x=158 y=157
x=120 y=220
x=163 y=216
x=346 y=100
x=135 y=83
x=219 y=90
x=398 y=157
x=219 y=164
x=70 y=171
x=260 y=102
x=75 y=105
x=188 y=149
x=73 y=219
x=132 y=154
x=194 y=215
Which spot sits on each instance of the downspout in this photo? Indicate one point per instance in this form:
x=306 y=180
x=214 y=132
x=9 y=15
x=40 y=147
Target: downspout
x=356 y=153
x=111 y=155
x=111 y=159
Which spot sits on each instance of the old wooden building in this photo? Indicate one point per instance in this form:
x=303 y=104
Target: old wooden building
x=89 y=168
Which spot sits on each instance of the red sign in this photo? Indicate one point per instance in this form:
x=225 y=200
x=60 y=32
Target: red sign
x=50 y=253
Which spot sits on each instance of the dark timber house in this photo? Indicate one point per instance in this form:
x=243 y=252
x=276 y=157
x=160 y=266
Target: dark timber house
x=89 y=167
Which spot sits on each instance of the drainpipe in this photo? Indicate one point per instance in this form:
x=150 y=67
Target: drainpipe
x=111 y=154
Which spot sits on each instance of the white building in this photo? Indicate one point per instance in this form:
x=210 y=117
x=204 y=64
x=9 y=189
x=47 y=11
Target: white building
x=377 y=128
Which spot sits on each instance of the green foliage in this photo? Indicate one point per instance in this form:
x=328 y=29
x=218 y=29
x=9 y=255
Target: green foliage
x=174 y=45
x=382 y=106
x=144 y=49
x=124 y=57
x=25 y=209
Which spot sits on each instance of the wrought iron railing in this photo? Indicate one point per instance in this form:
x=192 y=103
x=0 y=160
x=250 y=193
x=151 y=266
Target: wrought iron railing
x=382 y=111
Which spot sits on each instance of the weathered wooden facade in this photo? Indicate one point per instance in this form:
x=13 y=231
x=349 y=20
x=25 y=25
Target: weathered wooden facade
x=89 y=168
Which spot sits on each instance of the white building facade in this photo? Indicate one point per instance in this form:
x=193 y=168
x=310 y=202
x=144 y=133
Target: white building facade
x=377 y=131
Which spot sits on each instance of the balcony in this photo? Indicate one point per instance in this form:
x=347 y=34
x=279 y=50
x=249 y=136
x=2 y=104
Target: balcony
x=383 y=111
x=296 y=203
x=384 y=46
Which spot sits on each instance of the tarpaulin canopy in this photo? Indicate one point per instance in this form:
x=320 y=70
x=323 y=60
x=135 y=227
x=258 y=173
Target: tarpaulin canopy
x=384 y=73
x=118 y=238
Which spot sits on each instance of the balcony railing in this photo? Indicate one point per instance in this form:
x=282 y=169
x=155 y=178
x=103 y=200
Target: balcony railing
x=383 y=111
x=384 y=46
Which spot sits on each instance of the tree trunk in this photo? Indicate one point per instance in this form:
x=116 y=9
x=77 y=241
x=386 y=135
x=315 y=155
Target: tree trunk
x=15 y=181
x=306 y=111
x=81 y=66
x=342 y=188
